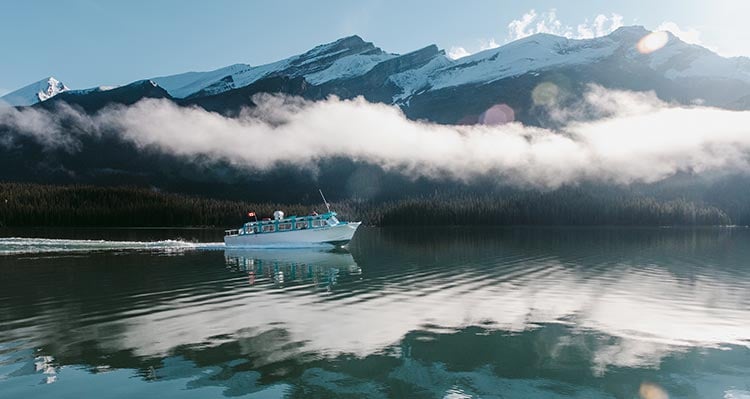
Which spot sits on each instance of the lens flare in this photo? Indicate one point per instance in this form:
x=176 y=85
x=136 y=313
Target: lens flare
x=498 y=114
x=545 y=93
x=652 y=42
x=649 y=390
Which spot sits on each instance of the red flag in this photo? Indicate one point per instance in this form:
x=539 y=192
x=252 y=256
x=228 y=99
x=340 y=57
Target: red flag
x=251 y=214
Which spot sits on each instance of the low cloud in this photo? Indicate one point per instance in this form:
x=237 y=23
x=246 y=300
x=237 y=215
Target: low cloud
x=59 y=129
x=484 y=44
x=694 y=36
x=457 y=52
x=488 y=44
x=633 y=137
x=687 y=35
x=548 y=22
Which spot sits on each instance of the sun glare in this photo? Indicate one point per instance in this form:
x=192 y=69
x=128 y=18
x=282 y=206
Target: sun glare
x=498 y=114
x=652 y=42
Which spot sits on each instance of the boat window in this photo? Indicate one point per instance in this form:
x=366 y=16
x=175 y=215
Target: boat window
x=333 y=221
x=301 y=224
x=269 y=228
x=318 y=222
x=285 y=226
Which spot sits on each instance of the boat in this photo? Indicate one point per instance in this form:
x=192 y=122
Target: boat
x=292 y=231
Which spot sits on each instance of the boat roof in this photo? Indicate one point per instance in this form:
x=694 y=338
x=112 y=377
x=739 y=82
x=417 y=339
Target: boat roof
x=288 y=219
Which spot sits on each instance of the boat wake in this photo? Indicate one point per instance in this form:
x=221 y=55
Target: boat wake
x=20 y=245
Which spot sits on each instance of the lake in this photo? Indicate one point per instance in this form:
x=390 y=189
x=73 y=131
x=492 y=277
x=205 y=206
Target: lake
x=408 y=313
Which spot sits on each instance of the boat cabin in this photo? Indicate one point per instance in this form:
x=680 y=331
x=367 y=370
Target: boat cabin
x=281 y=224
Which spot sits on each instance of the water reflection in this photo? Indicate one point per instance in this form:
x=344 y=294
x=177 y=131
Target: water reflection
x=293 y=266
x=409 y=313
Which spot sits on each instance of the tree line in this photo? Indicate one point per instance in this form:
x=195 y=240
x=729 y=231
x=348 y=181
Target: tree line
x=25 y=204
x=560 y=207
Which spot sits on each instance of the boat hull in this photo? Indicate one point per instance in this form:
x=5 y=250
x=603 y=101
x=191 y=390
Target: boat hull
x=339 y=234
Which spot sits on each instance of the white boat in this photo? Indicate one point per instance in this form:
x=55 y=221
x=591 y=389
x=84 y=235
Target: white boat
x=293 y=231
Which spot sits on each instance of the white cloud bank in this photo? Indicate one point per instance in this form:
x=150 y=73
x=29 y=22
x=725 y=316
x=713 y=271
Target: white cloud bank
x=638 y=138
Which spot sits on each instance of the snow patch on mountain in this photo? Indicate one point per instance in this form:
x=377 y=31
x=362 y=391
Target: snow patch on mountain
x=415 y=80
x=35 y=92
x=185 y=84
x=681 y=60
x=96 y=89
x=534 y=53
x=711 y=66
x=678 y=59
x=244 y=77
x=347 y=67
x=311 y=56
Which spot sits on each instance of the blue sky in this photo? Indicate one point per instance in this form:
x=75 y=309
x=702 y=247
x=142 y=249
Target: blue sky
x=85 y=43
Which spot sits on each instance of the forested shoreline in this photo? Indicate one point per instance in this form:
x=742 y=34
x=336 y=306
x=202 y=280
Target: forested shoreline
x=24 y=204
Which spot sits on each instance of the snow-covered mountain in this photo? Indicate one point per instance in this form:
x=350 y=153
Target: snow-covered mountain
x=35 y=92
x=351 y=58
x=429 y=85
x=344 y=58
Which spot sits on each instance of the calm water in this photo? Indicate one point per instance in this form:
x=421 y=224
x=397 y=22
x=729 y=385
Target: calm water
x=422 y=313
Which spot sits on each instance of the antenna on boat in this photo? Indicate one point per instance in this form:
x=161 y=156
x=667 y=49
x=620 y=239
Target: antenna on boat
x=324 y=200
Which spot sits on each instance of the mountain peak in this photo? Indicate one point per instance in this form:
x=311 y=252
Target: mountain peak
x=342 y=58
x=351 y=39
x=36 y=92
x=348 y=44
x=50 y=80
x=632 y=31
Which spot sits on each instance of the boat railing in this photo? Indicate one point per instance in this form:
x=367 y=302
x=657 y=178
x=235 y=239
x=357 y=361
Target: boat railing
x=310 y=221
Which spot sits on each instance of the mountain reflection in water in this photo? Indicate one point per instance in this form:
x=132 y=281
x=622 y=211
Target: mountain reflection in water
x=524 y=312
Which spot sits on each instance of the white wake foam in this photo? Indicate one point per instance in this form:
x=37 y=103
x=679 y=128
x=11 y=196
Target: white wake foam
x=21 y=245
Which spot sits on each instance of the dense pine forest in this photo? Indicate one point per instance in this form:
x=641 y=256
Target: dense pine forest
x=24 y=204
